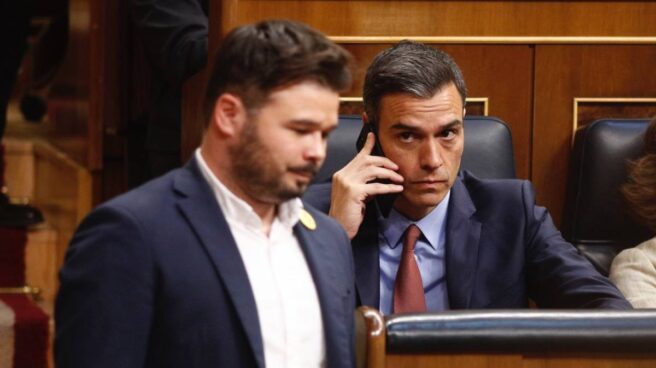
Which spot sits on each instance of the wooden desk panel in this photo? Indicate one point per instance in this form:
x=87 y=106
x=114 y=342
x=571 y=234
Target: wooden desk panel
x=517 y=361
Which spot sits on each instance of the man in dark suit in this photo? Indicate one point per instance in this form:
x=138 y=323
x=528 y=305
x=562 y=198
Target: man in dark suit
x=174 y=39
x=450 y=240
x=219 y=263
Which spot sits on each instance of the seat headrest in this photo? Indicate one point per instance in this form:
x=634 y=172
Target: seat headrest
x=488 y=151
x=487 y=154
x=595 y=211
x=596 y=218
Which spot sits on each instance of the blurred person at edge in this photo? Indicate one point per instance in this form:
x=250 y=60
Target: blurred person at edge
x=634 y=270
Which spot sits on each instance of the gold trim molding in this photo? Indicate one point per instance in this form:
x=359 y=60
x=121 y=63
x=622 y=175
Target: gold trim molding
x=579 y=100
x=22 y=290
x=484 y=100
x=545 y=40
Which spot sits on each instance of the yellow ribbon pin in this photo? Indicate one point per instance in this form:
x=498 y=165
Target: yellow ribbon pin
x=308 y=220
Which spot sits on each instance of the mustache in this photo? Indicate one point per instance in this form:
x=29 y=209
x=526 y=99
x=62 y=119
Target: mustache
x=310 y=168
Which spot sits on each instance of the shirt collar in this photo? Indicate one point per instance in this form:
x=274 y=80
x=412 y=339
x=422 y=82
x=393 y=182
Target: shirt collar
x=432 y=225
x=236 y=209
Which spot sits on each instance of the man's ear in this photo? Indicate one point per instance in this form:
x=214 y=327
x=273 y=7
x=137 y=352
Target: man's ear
x=365 y=118
x=464 y=112
x=229 y=114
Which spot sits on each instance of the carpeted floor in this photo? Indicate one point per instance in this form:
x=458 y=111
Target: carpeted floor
x=23 y=325
x=12 y=257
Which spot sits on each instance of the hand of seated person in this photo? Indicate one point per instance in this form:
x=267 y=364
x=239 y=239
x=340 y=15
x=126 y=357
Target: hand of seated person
x=355 y=184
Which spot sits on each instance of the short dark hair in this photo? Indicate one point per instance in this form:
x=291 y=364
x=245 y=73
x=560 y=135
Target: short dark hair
x=409 y=67
x=640 y=191
x=253 y=60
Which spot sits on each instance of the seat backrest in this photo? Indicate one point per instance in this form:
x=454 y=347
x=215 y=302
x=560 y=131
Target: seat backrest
x=525 y=331
x=508 y=338
x=487 y=154
x=596 y=218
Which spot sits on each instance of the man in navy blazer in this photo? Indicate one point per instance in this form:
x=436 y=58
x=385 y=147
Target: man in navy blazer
x=174 y=38
x=481 y=243
x=219 y=263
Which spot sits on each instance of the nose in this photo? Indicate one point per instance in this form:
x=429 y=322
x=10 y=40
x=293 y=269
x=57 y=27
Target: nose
x=431 y=156
x=315 y=147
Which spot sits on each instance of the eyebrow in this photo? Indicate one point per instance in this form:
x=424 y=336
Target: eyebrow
x=406 y=127
x=303 y=122
x=311 y=123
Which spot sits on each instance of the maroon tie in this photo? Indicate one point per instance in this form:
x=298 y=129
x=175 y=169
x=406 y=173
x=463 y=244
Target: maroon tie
x=408 y=289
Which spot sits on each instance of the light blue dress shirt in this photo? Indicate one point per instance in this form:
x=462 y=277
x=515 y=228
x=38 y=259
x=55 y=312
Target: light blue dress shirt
x=429 y=253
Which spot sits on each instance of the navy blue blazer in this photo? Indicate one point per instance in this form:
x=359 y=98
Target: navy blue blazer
x=154 y=278
x=501 y=250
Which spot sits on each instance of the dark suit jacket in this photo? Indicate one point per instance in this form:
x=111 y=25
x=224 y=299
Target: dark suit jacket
x=174 y=38
x=154 y=278
x=501 y=250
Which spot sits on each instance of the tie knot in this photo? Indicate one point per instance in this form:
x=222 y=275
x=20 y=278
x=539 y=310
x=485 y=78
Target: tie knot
x=411 y=236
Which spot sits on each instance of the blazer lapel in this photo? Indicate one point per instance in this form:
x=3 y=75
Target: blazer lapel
x=321 y=260
x=463 y=232
x=201 y=210
x=365 y=257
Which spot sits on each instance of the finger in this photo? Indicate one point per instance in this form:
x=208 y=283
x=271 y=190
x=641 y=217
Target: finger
x=368 y=144
x=381 y=173
x=373 y=189
x=381 y=161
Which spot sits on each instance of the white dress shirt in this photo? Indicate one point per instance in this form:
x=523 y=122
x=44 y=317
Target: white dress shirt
x=287 y=302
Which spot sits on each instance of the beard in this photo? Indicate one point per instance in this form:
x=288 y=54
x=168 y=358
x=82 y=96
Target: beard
x=259 y=174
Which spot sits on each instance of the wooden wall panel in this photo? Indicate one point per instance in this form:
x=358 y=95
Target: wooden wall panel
x=456 y=18
x=529 y=58
x=587 y=110
x=565 y=72
x=109 y=102
x=484 y=66
x=88 y=99
x=68 y=126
